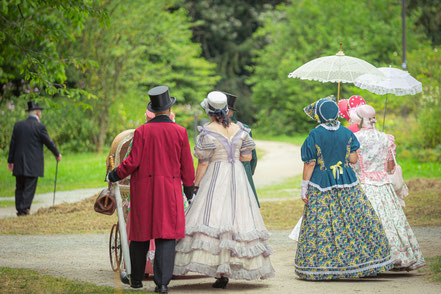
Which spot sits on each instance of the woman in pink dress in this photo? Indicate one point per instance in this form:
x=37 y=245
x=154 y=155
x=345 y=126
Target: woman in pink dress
x=375 y=161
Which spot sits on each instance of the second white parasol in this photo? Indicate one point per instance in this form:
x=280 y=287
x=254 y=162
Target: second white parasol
x=338 y=68
x=397 y=82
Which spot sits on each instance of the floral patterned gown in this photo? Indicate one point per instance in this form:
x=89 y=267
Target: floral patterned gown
x=224 y=230
x=375 y=151
x=340 y=235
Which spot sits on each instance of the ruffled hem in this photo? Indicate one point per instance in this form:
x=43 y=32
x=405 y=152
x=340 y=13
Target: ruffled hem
x=370 y=269
x=325 y=180
x=408 y=267
x=261 y=248
x=377 y=178
x=226 y=270
x=236 y=236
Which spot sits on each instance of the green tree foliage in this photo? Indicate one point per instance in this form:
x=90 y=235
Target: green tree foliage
x=429 y=18
x=224 y=28
x=31 y=32
x=426 y=63
x=147 y=44
x=305 y=30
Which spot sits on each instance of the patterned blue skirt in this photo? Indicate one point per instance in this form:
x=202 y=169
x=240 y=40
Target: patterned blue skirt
x=340 y=237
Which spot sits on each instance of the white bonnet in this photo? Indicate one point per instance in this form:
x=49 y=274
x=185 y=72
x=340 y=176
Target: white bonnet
x=215 y=100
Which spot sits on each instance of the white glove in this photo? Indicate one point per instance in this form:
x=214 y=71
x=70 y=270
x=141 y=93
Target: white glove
x=304 y=188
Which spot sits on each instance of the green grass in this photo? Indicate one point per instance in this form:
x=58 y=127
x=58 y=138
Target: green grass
x=75 y=171
x=414 y=169
x=7 y=203
x=435 y=268
x=288 y=189
x=30 y=281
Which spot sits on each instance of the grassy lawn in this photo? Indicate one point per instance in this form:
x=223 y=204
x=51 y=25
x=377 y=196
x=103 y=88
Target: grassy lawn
x=75 y=171
x=7 y=203
x=29 y=281
x=413 y=169
x=288 y=189
x=435 y=268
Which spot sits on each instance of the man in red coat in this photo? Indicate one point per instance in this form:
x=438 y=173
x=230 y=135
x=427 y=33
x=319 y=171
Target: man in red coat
x=159 y=163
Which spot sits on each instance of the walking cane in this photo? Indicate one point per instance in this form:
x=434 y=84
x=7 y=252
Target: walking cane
x=55 y=184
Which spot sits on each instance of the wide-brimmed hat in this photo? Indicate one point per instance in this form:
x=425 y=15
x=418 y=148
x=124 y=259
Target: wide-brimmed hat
x=323 y=110
x=34 y=106
x=231 y=101
x=215 y=101
x=160 y=99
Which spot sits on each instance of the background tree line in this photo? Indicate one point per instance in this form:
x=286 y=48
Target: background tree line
x=92 y=62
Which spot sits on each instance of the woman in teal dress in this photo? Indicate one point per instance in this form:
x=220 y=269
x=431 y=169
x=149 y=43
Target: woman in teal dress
x=340 y=236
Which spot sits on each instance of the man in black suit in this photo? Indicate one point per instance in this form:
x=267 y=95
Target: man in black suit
x=26 y=158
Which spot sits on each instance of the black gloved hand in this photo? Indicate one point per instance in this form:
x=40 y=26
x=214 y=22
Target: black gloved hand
x=188 y=191
x=113 y=176
x=195 y=190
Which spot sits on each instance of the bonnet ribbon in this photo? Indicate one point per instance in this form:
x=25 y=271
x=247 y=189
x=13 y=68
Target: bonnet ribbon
x=337 y=168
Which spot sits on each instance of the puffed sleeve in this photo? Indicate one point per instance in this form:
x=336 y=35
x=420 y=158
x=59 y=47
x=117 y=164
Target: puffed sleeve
x=248 y=144
x=204 y=147
x=308 y=150
x=391 y=148
x=355 y=144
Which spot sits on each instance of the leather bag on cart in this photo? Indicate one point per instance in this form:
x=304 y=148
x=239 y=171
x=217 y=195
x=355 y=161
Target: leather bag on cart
x=105 y=203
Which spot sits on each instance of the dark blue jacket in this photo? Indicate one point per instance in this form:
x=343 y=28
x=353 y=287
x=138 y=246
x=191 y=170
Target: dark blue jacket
x=26 y=148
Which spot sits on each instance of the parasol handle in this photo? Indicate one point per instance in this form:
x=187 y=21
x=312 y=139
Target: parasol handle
x=338 y=93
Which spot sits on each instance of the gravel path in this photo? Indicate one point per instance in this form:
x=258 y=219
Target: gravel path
x=85 y=258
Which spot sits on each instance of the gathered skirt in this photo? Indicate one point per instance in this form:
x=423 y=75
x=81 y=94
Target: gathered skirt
x=405 y=249
x=224 y=231
x=340 y=237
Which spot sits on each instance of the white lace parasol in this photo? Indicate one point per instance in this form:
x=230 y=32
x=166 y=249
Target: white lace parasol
x=337 y=68
x=397 y=82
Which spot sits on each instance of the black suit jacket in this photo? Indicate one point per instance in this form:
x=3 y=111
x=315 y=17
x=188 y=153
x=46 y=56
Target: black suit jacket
x=26 y=148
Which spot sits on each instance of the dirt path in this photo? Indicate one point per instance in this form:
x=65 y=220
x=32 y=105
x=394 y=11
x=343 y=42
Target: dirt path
x=85 y=258
x=281 y=161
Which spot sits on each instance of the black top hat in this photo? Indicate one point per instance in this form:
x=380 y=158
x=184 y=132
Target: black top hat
x=34 y=106
x=231 y=100
x=160 y=99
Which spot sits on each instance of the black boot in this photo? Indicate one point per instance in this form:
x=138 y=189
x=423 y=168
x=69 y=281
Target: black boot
x=161 y=289
x=220 y=283
x=135 y=284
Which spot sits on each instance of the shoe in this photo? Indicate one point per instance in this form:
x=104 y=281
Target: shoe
x=161 y=289
x=125 y=279
x=135 y=284
x=220 y=283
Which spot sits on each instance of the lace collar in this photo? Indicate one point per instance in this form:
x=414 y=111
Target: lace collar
x=330 y=125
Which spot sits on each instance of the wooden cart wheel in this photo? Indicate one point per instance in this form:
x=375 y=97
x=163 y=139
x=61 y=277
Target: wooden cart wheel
x=115 y=248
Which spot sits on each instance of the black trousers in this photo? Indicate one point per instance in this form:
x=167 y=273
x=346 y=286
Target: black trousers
x=163 y=264
x=24 y=193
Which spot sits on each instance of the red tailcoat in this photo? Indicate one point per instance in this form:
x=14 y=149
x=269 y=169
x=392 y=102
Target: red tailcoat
x=159 y=162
